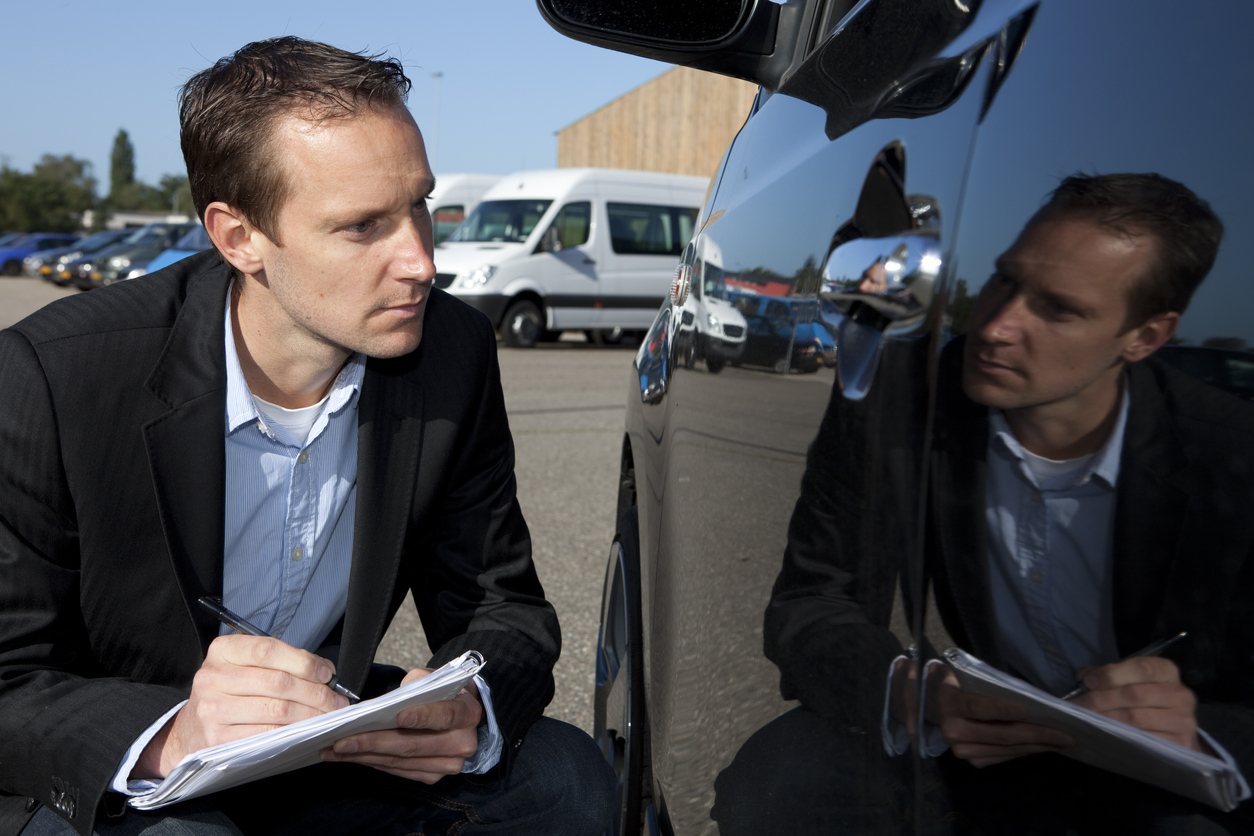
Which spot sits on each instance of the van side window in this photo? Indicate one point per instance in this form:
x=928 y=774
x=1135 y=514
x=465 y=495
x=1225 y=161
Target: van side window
x=572 y=224
x=446 y=219
x=642 y=229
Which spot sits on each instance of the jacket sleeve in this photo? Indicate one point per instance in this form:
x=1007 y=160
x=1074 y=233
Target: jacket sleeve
x=475 y=584
x=65 y=723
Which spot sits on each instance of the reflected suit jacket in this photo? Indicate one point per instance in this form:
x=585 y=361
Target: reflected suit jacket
x=1183 y=551
x=112 y=424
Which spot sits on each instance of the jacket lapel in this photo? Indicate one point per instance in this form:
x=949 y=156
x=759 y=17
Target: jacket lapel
x=186 y=444
x=389 y=442
x=960 y=554
x=1151 y=509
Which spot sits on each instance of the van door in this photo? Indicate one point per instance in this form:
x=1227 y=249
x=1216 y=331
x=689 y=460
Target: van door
x=645 y=243
x=566 y=267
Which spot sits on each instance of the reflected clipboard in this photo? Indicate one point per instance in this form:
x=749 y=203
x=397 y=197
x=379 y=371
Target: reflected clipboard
x=1106 y=743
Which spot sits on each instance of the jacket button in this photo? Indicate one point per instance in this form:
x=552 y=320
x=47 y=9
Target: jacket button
x=31 y=804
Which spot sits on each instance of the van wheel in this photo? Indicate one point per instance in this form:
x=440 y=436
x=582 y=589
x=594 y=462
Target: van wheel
x=715 y=364
x=618 y=703
x=522 y=325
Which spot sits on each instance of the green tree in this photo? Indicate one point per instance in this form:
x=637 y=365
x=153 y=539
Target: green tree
x=51 y=198
x=121 y=164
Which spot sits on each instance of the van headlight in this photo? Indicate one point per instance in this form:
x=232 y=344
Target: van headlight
x=712 y=321
x=478 y=276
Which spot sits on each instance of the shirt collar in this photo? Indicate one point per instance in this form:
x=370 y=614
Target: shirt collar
x=1104 y=464
x=241 y=409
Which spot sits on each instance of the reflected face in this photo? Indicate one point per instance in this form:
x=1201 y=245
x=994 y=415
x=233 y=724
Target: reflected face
x=1047 y=325
x=355 y=267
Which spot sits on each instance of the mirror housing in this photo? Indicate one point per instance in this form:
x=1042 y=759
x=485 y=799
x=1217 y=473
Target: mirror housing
x=754 y=40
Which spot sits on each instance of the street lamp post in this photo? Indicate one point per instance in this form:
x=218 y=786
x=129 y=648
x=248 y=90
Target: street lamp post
x=435 y=146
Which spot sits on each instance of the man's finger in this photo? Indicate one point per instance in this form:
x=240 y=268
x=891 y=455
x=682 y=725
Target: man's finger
x=272 y=654
x=1132 y=671
x=217 y=684
x=462 y=712
x=993 y=709
x=960 y=730
x=410 y=744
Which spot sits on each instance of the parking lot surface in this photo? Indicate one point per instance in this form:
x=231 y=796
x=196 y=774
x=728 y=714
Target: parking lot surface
x=566 y=408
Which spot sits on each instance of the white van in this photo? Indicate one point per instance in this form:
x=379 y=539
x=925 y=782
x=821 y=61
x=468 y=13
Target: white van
x=571 y=248
x=454 y=197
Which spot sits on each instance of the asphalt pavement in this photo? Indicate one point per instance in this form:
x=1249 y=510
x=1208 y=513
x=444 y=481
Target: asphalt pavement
x=566 y=409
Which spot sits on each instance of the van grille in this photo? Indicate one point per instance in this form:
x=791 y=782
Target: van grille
x=734 y=330
x=443 y=280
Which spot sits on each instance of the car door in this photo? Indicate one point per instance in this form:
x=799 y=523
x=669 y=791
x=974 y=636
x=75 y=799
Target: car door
x=646 y=240
x=565 y=264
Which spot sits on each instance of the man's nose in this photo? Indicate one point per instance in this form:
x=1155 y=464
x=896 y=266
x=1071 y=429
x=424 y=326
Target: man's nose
x=414 y=253
x=1001 y=317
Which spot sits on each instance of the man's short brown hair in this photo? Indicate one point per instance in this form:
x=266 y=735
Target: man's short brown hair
x=227 y=115
x=1186 y=232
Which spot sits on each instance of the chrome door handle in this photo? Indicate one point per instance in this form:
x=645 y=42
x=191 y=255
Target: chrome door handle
x=882 y=286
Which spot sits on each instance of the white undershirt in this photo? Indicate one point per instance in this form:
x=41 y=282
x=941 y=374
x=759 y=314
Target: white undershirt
x=298 y=422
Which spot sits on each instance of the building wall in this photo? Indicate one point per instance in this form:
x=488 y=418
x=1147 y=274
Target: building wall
x=680 y=122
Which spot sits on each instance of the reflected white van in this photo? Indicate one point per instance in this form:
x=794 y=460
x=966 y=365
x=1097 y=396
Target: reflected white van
x=571 y=249
x=453 y=198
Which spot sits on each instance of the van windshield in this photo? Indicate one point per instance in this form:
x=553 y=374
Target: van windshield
x=502 y=220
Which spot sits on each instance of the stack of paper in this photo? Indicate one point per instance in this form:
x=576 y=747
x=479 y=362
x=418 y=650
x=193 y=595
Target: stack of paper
x=292 y=747
x=1106 y=743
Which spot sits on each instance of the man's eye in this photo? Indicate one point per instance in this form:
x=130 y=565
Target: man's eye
x=360 y=228
x=420 y=206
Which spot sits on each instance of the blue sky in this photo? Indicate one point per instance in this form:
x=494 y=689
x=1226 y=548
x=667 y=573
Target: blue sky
x=73 y=72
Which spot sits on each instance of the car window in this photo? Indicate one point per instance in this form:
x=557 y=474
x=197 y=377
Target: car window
x=445 y=219
x=572 y=224
x=646 y=229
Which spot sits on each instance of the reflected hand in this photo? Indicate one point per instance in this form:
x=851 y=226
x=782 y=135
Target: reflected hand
x=1145 y=692
x=986 y=730
x=246 y=685
x=431 y=741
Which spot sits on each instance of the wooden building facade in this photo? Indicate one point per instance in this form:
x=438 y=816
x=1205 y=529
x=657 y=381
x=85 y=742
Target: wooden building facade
x=680 y=122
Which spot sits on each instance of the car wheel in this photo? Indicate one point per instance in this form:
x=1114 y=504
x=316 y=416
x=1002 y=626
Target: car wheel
x=523 y=324
x=12 y=267
x=715 y=364
x=618 y=704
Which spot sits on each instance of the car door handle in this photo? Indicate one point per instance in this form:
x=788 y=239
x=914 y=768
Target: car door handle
x=587 y=260
x=882 y=286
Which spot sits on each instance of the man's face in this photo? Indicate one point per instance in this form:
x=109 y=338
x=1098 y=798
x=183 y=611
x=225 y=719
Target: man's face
x=1047 y=325
x=355 y=266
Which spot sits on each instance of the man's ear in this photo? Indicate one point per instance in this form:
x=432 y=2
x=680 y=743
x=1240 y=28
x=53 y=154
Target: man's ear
x=1150 y=336
x=231 y=233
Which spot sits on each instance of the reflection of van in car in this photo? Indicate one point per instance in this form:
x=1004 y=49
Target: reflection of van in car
x=710 y=328
x=571 y=248
x=453 y=198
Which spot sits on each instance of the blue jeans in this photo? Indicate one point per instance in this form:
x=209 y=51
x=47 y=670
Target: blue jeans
x=559 y=784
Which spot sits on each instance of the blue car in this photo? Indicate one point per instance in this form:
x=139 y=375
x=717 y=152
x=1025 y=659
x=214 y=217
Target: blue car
x=193 y=242
x=12 y=255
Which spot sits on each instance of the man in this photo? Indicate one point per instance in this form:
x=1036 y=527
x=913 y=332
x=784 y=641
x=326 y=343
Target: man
x=1084 y=501
x=299 y=423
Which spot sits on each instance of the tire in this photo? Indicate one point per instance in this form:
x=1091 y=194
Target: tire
x=715 y=364
x=618 y=703
x=13 y=267
x=522 y=324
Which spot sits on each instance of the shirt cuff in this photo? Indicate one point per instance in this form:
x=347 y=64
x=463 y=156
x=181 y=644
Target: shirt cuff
x=122 y=781
x=896 y=739
x=490 y=740
x=933 y=743
x=1229 y=761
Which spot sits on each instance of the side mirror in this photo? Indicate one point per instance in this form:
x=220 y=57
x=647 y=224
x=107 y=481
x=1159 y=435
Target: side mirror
x=749 y=39
x=550 y=241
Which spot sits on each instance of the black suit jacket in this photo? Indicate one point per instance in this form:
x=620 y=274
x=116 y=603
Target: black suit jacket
x=1184 y=541
x=111 y=524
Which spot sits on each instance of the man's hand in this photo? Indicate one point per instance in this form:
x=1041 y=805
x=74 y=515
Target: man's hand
x=431 y=741
x=986 y=730
x=247 y=685
x=1145 y=692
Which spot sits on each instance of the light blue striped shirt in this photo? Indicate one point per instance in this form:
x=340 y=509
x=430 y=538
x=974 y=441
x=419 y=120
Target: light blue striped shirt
x=289 y=531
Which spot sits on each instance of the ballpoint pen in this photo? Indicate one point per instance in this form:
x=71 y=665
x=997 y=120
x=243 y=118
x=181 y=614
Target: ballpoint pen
x=1153 y=650
x=235 y=622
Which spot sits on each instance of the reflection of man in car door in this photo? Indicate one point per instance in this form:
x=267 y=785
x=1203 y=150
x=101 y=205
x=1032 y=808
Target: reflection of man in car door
x=1082 y=503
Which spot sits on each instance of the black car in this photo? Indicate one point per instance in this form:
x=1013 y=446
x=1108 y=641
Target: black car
x=782 y=537
x=51 y=263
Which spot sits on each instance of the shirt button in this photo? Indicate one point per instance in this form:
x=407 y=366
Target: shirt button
x=303 y=457
x=298 y=553
x=1035 y=576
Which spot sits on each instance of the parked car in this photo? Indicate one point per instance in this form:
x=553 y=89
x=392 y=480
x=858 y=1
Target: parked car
x=7 y=238
x=128 y=258
x=1228 y=368
x=12 y=254
x=196 y=240
x=895 y=149
x=49 y=263
x=571 y=248
x=454 y=197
